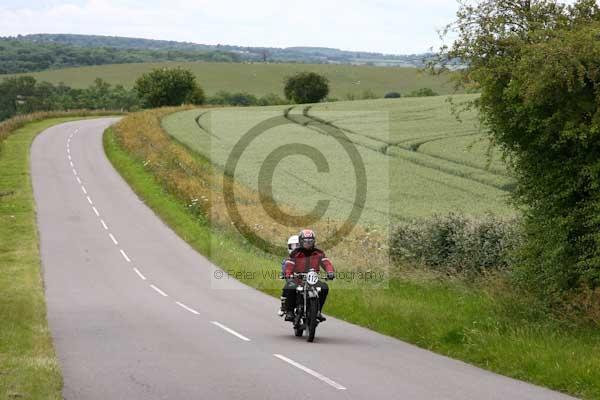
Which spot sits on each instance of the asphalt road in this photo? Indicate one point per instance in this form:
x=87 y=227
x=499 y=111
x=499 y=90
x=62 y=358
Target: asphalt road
x=135 y=315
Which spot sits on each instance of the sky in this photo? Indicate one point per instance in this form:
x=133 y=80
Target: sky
x=385 y=26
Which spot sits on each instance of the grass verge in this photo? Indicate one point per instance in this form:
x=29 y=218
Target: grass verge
x=28 y=365
x=496 y=330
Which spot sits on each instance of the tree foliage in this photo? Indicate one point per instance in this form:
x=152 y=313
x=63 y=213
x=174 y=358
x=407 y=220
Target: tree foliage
x=306 y=87
x=537 y=65
x=168 y=87
x=28 y=56
x=24 y=95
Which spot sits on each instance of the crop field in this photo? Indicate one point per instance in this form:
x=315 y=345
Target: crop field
x=260 y=79
x=418 y=159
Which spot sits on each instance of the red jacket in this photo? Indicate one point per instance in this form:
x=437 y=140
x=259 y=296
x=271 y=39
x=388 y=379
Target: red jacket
x=302 y=260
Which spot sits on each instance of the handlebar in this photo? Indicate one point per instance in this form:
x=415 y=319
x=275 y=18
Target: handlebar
x=303 y=274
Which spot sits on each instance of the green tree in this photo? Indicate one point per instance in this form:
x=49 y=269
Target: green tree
x=306 y=87
x=537 y=65
x=168 y=87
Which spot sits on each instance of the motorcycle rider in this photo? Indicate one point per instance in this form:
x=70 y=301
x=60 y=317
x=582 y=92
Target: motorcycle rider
x=305 y=257
x=292 y=244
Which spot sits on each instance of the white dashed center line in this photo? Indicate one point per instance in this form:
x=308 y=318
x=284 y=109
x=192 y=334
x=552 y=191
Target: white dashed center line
x=229 y=330
x=187 y=308
x=159 y=291
x=125 y=256
x=311 y=372
x=137 y=271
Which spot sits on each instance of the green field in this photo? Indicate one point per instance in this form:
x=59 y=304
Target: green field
x=260 y=79
x=419 y=160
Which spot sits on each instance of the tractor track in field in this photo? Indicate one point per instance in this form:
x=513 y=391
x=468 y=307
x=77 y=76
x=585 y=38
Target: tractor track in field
x=322 y=126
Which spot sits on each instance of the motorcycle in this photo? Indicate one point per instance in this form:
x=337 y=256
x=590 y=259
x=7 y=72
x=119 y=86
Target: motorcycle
x=307 y=304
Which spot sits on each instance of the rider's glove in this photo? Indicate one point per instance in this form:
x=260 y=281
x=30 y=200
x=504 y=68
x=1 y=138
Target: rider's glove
x=331 y=275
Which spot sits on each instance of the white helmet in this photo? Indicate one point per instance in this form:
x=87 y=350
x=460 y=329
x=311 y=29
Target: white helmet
x=293 y=243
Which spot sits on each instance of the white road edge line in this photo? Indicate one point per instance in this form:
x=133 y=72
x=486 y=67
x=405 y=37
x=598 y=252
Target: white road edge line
x=83 y=188
x=234 y=333
x=95 y=211
x=89 y=200
x=311 y=372
x=104 y=224
x=113 y=239
x=137 y=271
x=187 y=308
x=124 y=255
x=159 y=291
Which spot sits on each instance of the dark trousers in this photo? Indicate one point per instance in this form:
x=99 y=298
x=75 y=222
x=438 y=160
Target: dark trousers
x=289 y=293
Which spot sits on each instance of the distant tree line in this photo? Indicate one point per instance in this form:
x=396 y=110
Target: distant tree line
x=24 y=95
x=18 y=56
x=317 y=55
x=158 y=88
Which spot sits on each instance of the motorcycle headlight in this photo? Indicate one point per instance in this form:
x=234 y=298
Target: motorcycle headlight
x=300 y=288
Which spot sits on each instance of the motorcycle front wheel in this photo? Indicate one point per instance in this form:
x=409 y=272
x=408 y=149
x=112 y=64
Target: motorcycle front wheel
x=313 y=310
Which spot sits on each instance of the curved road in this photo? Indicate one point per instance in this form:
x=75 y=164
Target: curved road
x=134 y=315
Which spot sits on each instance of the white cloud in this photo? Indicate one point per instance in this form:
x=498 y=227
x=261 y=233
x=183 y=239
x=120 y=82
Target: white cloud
x=401 y=26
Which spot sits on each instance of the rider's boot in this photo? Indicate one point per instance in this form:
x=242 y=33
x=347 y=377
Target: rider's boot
x=321 y=317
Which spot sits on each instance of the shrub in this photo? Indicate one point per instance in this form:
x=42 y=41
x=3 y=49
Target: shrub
x=455 y=243
x=423 y=92
x=368 y=94
x=306 y=87
x=168 y=87
x=271 y=99
x=243 y=99
x=236 y=99
x=392 y=95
